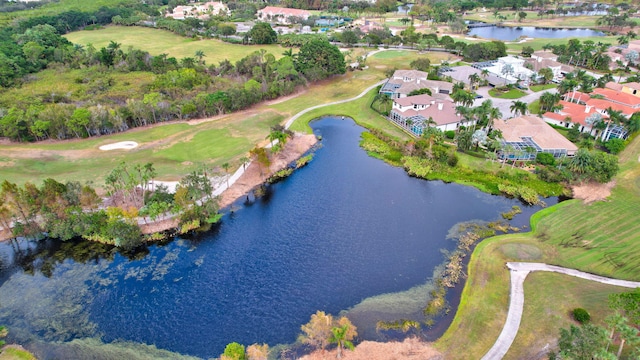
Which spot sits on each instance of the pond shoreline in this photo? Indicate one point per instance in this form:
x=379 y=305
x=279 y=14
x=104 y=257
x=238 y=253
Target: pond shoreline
x=252 y=177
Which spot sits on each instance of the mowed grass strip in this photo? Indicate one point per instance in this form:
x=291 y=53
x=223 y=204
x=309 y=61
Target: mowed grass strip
x=601 y=238
x=157 y=41
x=552 y=298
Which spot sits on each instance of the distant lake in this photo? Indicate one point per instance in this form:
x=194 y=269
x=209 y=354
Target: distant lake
x=507 y=33
x=347 y=232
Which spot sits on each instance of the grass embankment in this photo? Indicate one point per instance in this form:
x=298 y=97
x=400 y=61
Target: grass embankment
x=532 y=19
x=537 y=44
x=542 y=87
x=602 y=238
x=157 y=42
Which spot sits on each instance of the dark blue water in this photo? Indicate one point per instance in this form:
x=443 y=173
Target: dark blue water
x=342 y=229
x=507 y=33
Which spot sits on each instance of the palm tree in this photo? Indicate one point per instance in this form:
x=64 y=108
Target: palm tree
x=494 y=114
x=226 y=166
x=474 y=79
x=518 y=107
x=244 y=161
x=200 y=55
x=339 y=336
x=627 y=333
x=581 y=161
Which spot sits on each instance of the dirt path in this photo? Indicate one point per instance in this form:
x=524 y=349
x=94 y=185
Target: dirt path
x=519 y=272
x=409 y=349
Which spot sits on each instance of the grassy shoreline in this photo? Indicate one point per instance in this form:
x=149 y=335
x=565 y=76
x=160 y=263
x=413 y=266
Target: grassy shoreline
x=483 y=306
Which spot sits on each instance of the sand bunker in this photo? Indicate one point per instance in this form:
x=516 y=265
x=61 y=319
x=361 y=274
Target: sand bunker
x=122 y=145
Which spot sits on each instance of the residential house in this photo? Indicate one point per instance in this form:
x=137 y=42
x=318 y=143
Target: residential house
x=198 y=10
x=404 y=82
x=588 y=111
x=510 y=70
x=546 y=59
x=417 y=112
x=525 y=136
x=571 y=113
x=461 y=73
x=282 y=15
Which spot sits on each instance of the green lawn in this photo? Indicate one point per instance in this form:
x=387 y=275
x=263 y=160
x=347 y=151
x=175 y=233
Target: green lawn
x=78 y=85
x=511 y=94
x=157 y=42
x=534 y=107
x=537 y=44
x=532 y=19
x=542 y=87
x=601 y=238
x=56 y=7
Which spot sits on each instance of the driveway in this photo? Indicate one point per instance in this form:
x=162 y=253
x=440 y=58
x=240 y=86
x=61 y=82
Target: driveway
x=505 y=104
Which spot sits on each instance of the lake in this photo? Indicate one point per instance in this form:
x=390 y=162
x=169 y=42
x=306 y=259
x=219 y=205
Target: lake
x=507 y=33
x=346 y=232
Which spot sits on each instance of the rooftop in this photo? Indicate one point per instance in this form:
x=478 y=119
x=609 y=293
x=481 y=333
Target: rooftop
x=527 y=126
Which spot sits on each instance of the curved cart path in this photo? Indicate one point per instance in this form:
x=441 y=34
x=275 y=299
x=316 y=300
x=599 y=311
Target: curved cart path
x=363 y=93
x=519 y=272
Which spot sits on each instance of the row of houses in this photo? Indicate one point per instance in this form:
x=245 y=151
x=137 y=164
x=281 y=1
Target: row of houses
x=525 y=135
x=591 y=111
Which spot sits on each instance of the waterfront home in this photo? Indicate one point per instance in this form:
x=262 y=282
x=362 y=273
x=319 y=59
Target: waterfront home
x=525 y=136
x=592 y=114
x=404 y=82
x=415 y=113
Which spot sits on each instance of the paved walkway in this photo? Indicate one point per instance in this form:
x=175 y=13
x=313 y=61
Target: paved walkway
x=519 y=272
x=363 y=93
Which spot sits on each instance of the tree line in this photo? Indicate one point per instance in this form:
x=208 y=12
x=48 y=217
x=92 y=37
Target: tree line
x=180 y=90
x=71 y=210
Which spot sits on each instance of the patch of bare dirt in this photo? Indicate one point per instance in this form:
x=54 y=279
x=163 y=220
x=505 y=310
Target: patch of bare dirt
x=254 y=176
x=590 y=192
x=409 y=349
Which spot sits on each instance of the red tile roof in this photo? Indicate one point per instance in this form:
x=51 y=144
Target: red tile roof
x=603 y=104
x=577 y=96
x=619 y=97
x=578 y=113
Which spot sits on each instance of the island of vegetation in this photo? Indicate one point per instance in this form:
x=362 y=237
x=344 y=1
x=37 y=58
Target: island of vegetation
x=216 y=105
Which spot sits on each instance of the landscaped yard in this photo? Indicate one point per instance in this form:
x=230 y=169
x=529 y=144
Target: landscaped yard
x=510 y=94
x=542 y=87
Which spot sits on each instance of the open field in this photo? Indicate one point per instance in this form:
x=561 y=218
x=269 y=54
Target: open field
x=78 y=85
x=601 y=238
x=56 y=7
x=532 y=19
x=158 y=42
x=537 y=44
